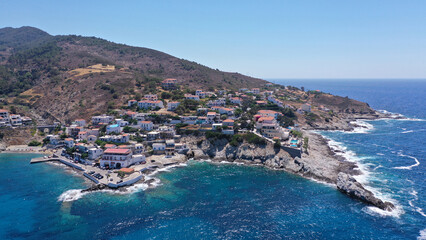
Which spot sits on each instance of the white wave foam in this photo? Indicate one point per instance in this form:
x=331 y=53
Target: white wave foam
x=422 y=235
x=75 y=194
x=411 y=166
x=399 y=117
x=377 y=212
x=71 y=195
x=409 y=131
x=365 y=177
x=361 y=126
x=410 y=202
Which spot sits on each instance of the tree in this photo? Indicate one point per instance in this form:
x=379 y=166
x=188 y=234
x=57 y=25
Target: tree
x=13 y=110
x=34 y=143
x=166 y=95
x=277 y=143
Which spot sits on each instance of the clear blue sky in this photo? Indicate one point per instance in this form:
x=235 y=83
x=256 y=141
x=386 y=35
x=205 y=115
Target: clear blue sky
x=267 y=39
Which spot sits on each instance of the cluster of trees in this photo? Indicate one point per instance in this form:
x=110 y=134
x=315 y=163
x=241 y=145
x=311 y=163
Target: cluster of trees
x=237 y=139
x=186 y=106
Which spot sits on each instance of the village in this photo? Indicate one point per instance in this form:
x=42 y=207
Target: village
x=115 y=149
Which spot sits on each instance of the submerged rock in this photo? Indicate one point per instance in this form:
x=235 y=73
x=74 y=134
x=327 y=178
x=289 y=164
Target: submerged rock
x=350 y=186
x=95 y=188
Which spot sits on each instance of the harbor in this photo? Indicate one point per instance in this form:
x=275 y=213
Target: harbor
x=115 y=178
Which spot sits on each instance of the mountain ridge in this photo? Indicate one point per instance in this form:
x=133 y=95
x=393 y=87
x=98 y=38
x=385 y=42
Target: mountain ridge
x=35 y=70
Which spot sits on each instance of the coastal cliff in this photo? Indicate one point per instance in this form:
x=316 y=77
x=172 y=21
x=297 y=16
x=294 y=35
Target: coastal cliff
x=319 y=162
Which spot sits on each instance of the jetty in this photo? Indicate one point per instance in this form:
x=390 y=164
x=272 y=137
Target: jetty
x=113 y=178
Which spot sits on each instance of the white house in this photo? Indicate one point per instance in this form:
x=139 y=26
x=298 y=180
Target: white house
x=54 y=139
x=153 y=136
x=306 y=107
x=189 y=119
x=80 y=122
x=217 y=102
x=192 y=97
x=159 y=148
x=103 y=119
x=131 y=102
x=146 y=125
x=4 y=114
x=255 y=90
x=171 y=106
x=227 y=111
x=137 y=159
x=200 y=93
x=216 y=126
x=169 y=83
x=139 y=148
x=211 y=116
x=146 y=104
x=92 y=138
x=124 y=138
x=269 y=113
x=228 y=122
x=121 y=122
x=115 y=128
x=83 y=135
x=69 y=142
x=116 y=158
x=94 y=153
x=236 y=100
x=15 y=119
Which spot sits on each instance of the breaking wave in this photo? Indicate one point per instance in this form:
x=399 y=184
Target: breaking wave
x=411 y=166
x=341 y=150
x=71 y=195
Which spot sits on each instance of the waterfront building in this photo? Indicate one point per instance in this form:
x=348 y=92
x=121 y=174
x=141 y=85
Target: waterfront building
x=116 y=158
x=159 y=148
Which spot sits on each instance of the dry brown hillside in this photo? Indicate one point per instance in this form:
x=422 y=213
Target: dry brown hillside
x=64 y=77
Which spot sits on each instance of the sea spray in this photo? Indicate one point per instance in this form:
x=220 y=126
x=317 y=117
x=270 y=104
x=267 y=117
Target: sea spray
x=365 y=178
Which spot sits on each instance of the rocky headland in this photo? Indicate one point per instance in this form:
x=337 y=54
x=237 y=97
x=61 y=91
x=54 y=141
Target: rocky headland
x=318 y=161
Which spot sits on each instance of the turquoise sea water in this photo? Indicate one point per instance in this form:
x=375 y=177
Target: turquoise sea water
x=224 y=201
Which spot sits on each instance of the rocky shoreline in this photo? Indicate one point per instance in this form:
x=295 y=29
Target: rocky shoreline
x=319 y=162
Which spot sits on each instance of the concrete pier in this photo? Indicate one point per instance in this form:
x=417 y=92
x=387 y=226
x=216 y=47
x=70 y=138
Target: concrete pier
x=111 y=177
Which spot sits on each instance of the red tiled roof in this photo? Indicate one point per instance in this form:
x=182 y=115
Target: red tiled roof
x=126 y=170
x=228 y=120
x=117 y=151
x=266 y=119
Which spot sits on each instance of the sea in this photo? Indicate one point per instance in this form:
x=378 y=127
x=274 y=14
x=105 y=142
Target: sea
x=205 y=200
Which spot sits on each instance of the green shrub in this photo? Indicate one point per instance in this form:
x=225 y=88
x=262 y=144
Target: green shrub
x=34 y=143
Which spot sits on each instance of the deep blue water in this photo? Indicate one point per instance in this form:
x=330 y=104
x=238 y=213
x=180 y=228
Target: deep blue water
x=223 y=201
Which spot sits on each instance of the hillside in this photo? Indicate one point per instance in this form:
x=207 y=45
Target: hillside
x=63 y=77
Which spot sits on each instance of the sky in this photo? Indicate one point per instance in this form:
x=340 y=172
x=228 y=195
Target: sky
x=265 y=39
